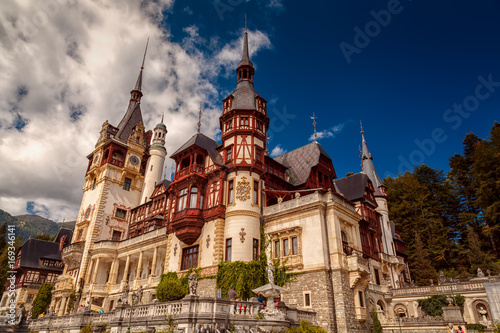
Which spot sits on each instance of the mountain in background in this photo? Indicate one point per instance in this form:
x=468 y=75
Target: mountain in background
x=33 y=225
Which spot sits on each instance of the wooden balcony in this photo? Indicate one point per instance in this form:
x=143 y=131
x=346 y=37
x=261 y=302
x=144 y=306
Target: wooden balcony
x=187 y=224
x=191 y=169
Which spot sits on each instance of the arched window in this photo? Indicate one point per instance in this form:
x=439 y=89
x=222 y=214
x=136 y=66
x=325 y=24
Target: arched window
x=194 y=197
x=345 y=244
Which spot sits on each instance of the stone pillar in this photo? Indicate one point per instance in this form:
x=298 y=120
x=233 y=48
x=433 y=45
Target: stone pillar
x=114 y=271
x=127 y=266
x=62 y=307
x=139 y=267
x=96 y=268
x=89 y=272
x=153 y=264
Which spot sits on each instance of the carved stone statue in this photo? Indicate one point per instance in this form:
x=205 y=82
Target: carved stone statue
x=480 y=273
x=125 y=292
x=139 y=295
x=193 y=283
x=483 y=312
x=270 y=273
x=451 y=329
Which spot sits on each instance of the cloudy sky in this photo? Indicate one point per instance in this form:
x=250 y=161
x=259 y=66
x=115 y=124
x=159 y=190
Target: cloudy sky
x=418 y=74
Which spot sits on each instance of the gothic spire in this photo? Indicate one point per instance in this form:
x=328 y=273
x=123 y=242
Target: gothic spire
x=199 y=118
x=368 y=167
x=245 y=68
x=137 y=93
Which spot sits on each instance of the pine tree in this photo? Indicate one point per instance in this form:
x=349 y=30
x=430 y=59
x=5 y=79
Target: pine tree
x=423 y=271
x=377 y=327
x=477 y=257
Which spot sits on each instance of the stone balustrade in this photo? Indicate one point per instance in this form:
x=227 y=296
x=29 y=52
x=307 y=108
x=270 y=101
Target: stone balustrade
x=440 y=289
x=307 y=199
x=186 y=314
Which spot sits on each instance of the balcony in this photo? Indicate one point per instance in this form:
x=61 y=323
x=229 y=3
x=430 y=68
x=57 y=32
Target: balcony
x=359 y=271
x=72 y=254
x=193 y=168
x=187 y=224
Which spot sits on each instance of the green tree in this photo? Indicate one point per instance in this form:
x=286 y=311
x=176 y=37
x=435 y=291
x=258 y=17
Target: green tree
x=377 y=326
x=305 y=327
x=45 y=237
x=71 y=302
x=477 y=257
x=423 y=271
x=42 y=300
x=171 y=288
x=5 y=261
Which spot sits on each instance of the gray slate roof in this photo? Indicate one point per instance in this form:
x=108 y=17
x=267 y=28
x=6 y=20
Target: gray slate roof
x=369 y=168
x=34 y=249
x=300 y=161
x=203 y=141
x=352 y=187
x=132 y=118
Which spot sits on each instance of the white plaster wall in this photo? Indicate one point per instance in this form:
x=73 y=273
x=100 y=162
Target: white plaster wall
x=156 y=160
x=207 y=253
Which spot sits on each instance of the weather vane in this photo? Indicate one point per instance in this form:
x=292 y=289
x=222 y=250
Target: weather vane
x=361 y=124
x=314 y=124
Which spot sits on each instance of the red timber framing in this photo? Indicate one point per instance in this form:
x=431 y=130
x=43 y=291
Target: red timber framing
x=369 y=226
x=150 y=215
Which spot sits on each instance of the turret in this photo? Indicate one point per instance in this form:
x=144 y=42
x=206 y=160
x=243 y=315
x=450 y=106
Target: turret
x=156 y=161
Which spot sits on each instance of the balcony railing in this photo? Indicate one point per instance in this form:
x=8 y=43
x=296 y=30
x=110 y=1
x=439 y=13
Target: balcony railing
x=188 y=212
x=72 y=248
x=193 y=168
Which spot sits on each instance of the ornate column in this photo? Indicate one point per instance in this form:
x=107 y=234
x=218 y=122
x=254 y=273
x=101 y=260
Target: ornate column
x=96 y=268
x=125 y=272
x=139 y=267
x=153 y=264
x=89 y=272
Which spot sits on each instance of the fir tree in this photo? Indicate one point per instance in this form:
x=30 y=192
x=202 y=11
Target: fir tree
x=423 y=271
x=477 y=257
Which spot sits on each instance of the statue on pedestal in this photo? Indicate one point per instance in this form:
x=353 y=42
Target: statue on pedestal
x=193 y=283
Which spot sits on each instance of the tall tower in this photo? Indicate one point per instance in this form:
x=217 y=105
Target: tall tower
x=113 y=184
x=156 y=161
x=244 y=124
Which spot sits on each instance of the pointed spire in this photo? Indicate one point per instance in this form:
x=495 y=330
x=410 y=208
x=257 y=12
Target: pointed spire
x=162 y=117
x=314 y=124
x=138 y=84
x=199 y=117
x=245 y=57
x=368 y=167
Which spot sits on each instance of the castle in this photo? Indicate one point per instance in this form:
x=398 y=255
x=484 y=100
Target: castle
x=133 y=225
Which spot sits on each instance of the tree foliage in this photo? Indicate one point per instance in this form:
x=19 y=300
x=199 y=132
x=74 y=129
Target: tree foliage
x=305 y=327
x=377 y=326
x=42 y=300
x=456 y=215
x=433 y=305
x=171 y=288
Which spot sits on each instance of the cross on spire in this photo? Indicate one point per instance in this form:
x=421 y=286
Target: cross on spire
x=314 y=124
x=199 y=117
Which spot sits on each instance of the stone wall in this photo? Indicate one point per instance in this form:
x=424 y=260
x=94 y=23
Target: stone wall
x=344 y=305
x=206 y=288
x=321 y=297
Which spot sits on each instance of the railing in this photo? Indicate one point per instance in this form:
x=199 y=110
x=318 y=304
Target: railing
x=116 y=162
x=106 y=244
x=74 y=247
x=191 y=212
x=306 y=199
x=143 y=237
x=442 y=289
x=193 y=168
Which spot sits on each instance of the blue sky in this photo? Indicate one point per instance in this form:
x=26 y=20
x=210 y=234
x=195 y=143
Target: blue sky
x=427 y=58
x=418 y=74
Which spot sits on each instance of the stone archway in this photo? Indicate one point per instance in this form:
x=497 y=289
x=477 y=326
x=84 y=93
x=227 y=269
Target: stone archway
x=400 y=310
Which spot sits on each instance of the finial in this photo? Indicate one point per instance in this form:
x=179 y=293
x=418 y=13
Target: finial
x=361 y=124
x=145 y=50
x=245 y=22
x=199 y=117
x=314 y=124
x=162 y=117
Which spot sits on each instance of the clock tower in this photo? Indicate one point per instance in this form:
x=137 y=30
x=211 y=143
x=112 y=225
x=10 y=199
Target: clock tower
x=244 y=124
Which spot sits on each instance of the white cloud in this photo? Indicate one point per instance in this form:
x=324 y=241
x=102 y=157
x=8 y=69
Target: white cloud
x=276 y=4
x=67 y=66
x=277 y=151
x=330 y=132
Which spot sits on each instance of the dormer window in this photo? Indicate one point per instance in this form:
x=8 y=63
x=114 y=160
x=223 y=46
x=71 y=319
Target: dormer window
x=229 y=156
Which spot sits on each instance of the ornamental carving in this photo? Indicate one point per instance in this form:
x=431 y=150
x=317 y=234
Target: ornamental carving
x=243 y=189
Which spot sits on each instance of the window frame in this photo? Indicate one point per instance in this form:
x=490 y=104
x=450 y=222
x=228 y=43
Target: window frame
x=230 y=192
x=255 y=253
x=127 y=183
x=182 y=199
x=190 y=260
x=229 y=249
x=255 y=192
